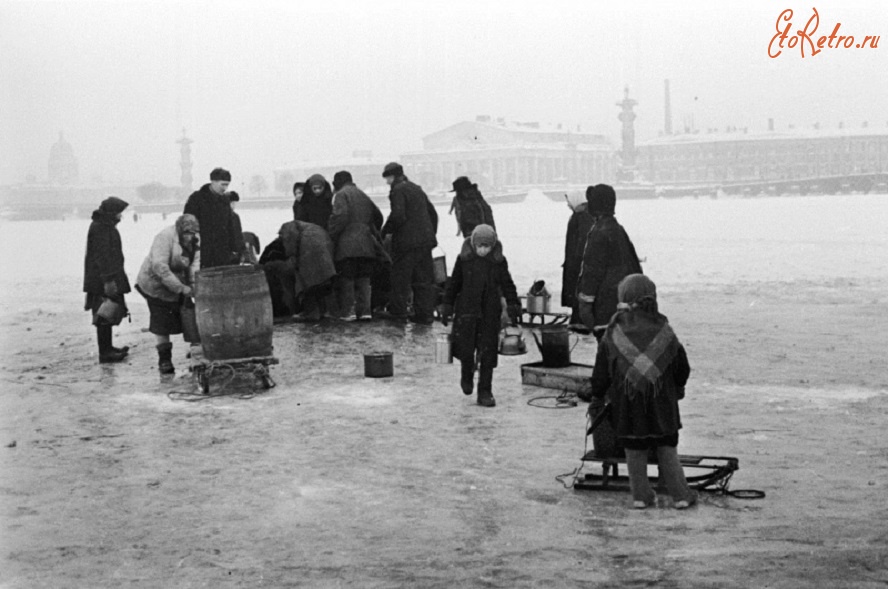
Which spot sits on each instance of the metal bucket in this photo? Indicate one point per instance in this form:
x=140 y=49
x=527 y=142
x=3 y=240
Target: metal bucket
x=538 y=304
x=439 y=264
x=443 y=349
x=555 y=345
x=378 y=365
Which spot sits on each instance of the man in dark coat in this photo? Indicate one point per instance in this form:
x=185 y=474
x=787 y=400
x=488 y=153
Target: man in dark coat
x=103 y=272
x=471 y=208
x=219 y=246
x=236 y=227
x=354 y=229
x=474 y=294
x=413 y=225
x=316 y=205
x=608 y=257
x=577 y=229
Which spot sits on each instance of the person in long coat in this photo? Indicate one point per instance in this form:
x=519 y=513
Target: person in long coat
x=166 y=280
x=211 y=206
x=413 y=225
x=470 y=207
x=316 y=205
x=642 y=369
x=575 y=242
x=103 y=272
x=479 y=282
x=608 y=257
x=309 y=269
x=354 y=228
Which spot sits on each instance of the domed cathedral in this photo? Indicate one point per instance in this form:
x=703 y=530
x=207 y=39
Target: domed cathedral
x=62 y=163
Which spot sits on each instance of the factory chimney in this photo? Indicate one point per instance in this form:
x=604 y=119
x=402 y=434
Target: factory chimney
x=667 y=123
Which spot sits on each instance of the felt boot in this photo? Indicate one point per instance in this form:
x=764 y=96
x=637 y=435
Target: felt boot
x=485 y=386
x=165 y=358
x=467 y=380
x=108 y=354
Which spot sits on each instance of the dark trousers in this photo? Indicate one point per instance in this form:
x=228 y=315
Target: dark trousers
x=354 y=286
x=413 y=271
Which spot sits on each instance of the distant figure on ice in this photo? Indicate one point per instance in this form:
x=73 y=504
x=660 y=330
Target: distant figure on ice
x=354 y=229
x=211 y=207
x=471 y=208
x=166 y=280
x=642 y=368
x=577 y=229
x=480 y=277
x=413 y=225
x=317 y=203
x=608 y=257
x=104 y=276
x=298 y=194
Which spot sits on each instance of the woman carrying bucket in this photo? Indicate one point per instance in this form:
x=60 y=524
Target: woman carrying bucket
x=480 y=277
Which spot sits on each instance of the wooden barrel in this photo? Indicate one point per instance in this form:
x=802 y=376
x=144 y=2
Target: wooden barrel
x=234 y=316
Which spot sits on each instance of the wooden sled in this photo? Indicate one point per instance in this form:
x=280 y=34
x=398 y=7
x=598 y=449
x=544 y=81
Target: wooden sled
x=203 y=368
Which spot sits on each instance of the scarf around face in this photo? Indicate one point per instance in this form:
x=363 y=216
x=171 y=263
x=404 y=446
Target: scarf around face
x=640 y=346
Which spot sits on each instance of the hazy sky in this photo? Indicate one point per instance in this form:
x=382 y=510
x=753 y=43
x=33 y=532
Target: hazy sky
x=262 y=84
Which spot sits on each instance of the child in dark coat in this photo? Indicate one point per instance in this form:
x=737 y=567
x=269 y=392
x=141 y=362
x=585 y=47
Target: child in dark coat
x=642 y=368
x=474 y=296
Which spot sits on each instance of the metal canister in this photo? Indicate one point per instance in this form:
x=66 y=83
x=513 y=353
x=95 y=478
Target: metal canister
x=443 y=349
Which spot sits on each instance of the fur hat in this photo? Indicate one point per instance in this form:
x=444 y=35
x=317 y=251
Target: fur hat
x=484 y=235
x=340 y=179
x=187 y=222
x=462 y=183
x=602 y=199
x=220 y=174
x=113 y=205
x=392 y=169
x=316 y=180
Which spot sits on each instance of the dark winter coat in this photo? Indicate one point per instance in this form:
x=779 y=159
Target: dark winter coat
x=104 y=256
x=413 y=221
x=309 y=249
x=219 y=246
x=315 y=208
x=475 y=290
x=577 y=230
x=355 y=224
x=641 y=416
x=471 y=210
x=608 y=257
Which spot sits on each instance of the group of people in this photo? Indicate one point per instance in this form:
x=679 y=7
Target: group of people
x=329 y=259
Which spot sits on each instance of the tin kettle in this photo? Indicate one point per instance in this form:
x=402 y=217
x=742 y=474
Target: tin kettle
x=511 y=342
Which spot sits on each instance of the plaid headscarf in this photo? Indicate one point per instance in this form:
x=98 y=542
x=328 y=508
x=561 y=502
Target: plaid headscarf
x=640 y=343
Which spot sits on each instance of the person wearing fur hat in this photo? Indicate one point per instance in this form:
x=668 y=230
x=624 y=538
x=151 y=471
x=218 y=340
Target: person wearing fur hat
x=316 y=205
x=103 y=274
x=473 y=298
x=608 y=257
x=211 y=206
x=642 y=369
x=471 y=208
x=166 y=279
x=413 y=225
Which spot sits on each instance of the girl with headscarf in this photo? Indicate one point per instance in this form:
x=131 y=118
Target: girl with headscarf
x=642 y=369
x=166 y=280
x=473 y=297
x=103 y=273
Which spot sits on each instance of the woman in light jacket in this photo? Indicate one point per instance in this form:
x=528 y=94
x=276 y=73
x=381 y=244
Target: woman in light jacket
x=166 y=279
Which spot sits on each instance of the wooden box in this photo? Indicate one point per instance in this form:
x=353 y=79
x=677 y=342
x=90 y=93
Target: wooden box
x=573 y=378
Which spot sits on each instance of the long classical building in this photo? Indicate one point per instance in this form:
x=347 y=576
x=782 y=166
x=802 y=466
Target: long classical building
x=733 y=157
x=499 y=154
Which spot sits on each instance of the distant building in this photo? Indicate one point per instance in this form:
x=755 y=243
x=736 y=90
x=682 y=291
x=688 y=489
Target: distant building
x=62 y=163
x=499 y=154
x=738 y=156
